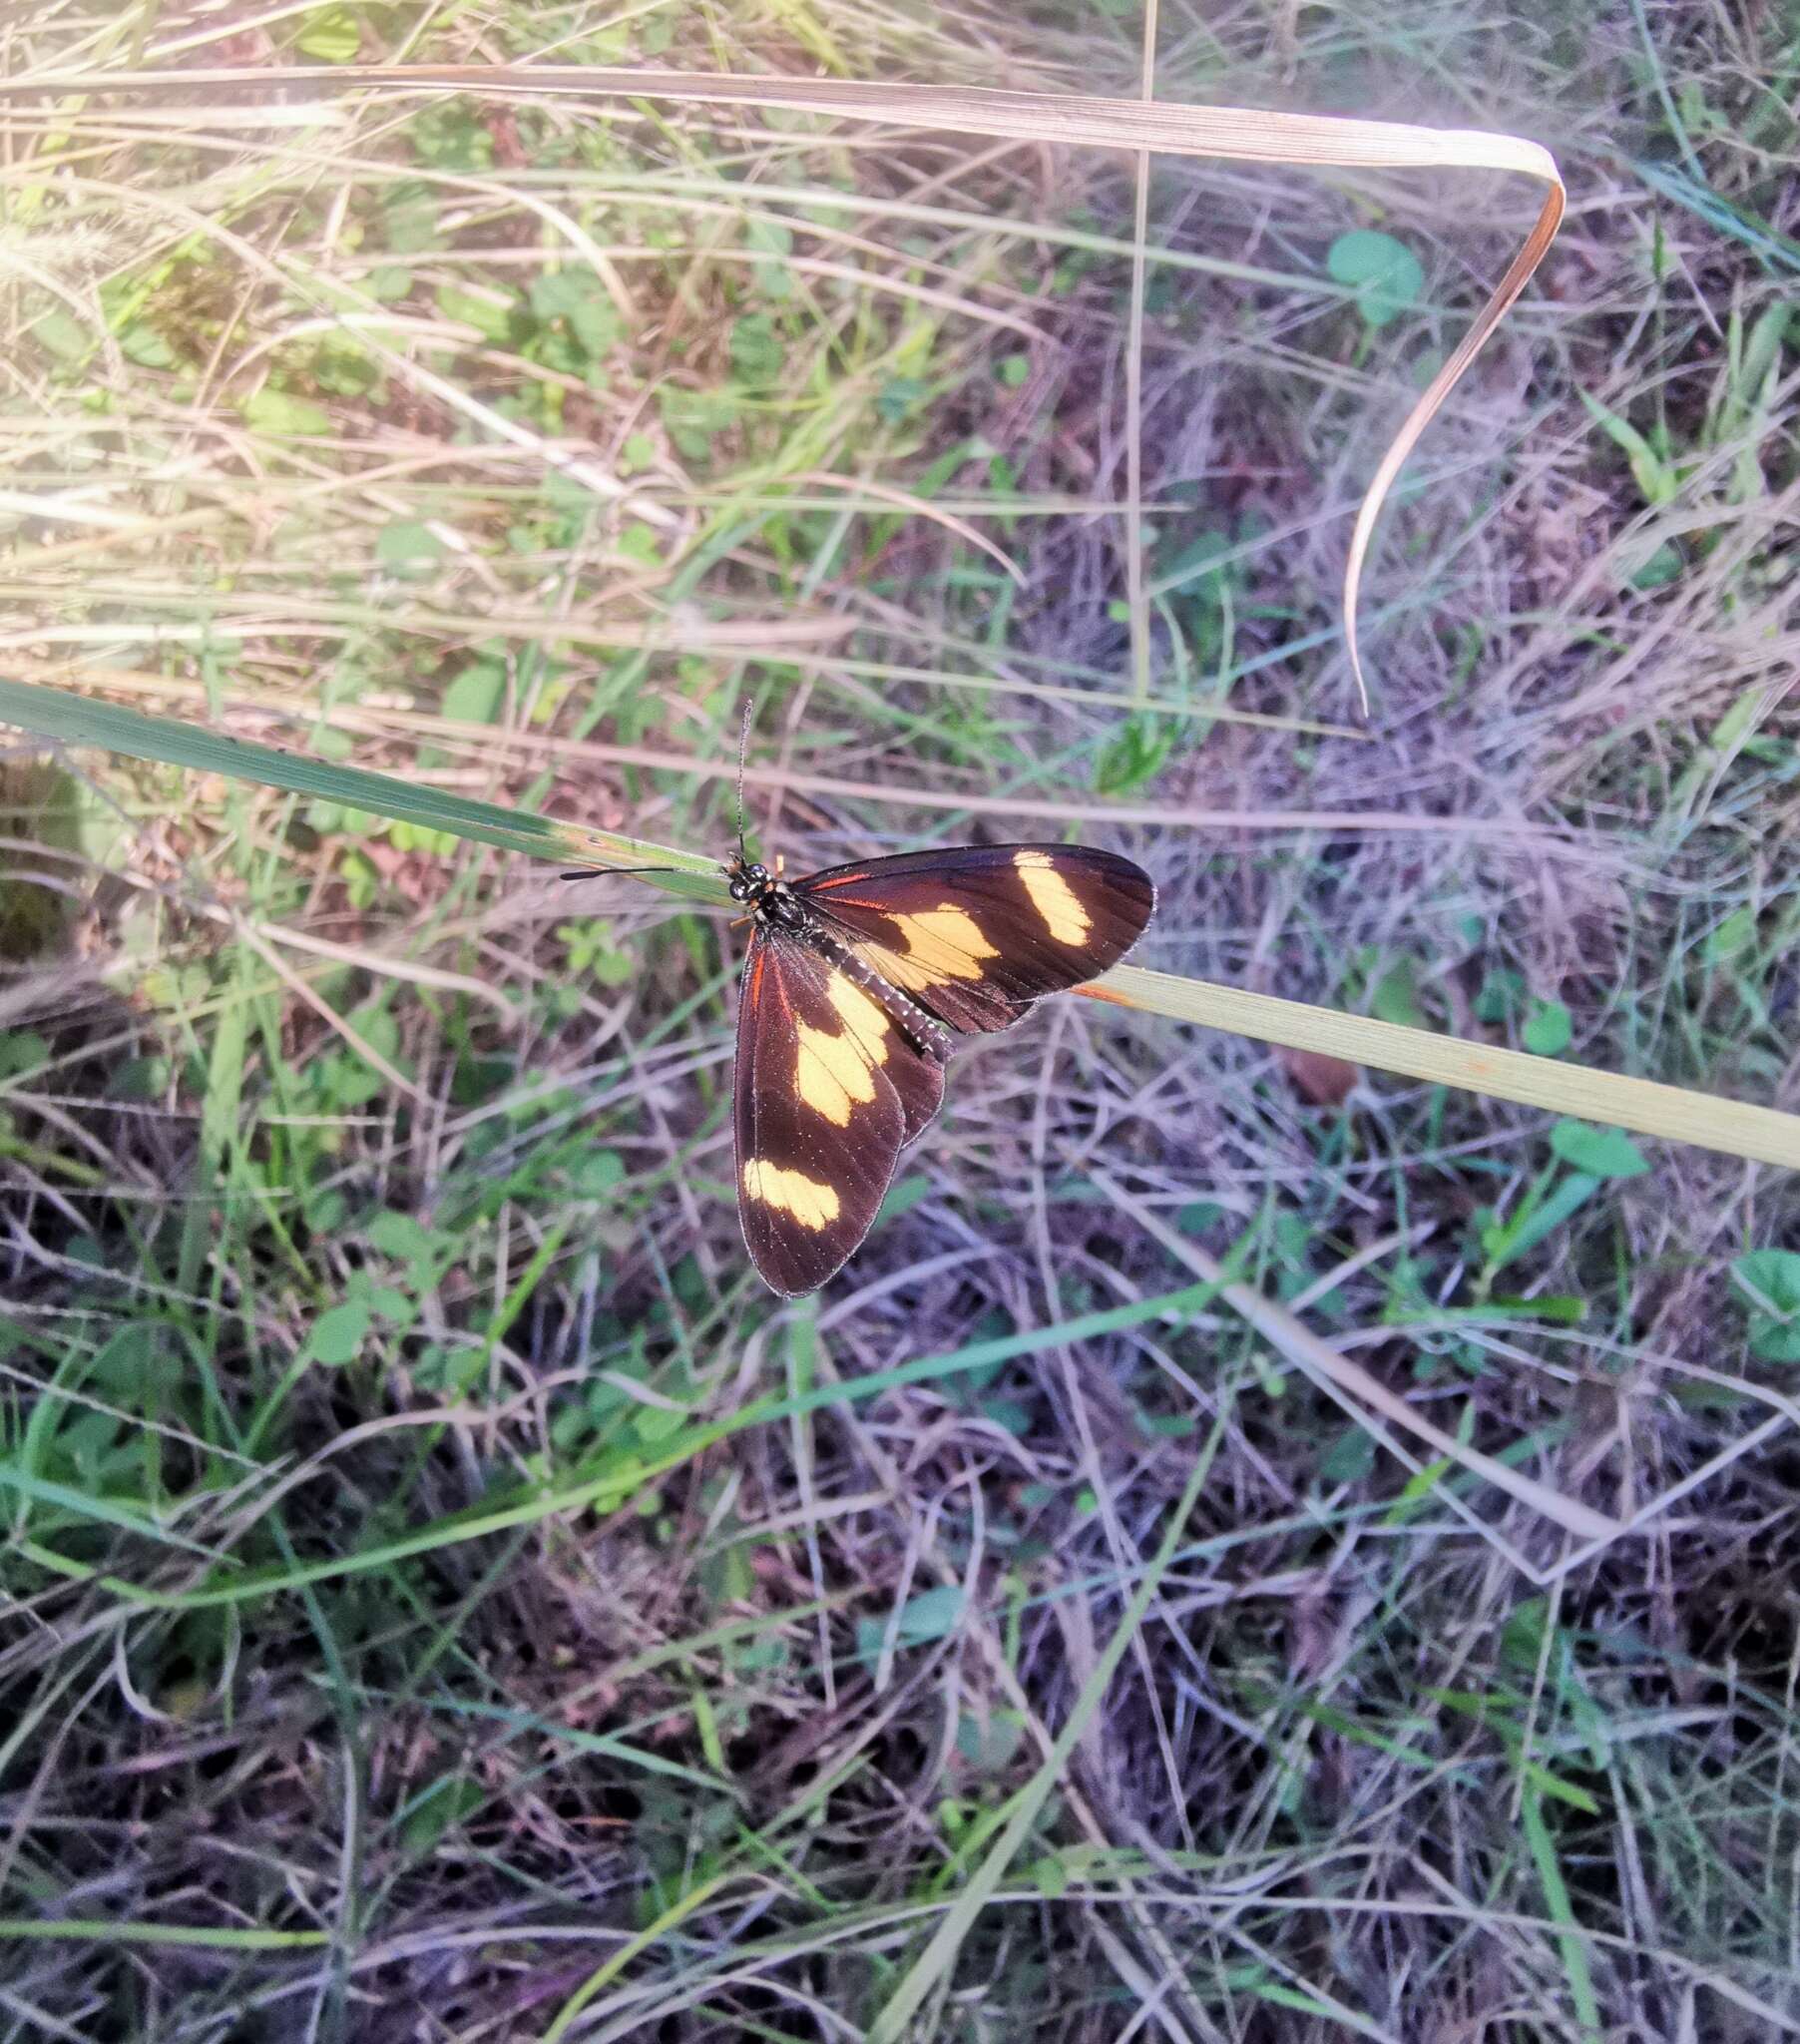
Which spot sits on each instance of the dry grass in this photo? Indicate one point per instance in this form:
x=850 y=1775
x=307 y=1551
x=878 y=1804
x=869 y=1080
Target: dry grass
x=565 y=1643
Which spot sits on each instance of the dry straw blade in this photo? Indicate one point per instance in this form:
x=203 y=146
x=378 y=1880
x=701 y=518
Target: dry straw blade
x=1762 y=1134
x=1237 y=134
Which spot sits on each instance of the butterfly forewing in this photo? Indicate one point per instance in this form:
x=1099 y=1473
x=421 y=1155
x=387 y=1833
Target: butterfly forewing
x=830 y=1086
x=977 y=933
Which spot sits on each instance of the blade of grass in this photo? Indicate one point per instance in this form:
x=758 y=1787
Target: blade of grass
x=625 y=1474
x=1289 y=1335
x=82 y=720
x=1763 y=1133
x=90 y=1505
x=101 y=1930
x=1562 y=1911
x=610 y=1968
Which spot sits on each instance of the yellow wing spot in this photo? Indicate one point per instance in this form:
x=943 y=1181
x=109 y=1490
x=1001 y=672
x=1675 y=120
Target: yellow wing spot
x=1053 y=897
x=941 y=943
x=813 y=1204
x=866 y=1018
x=834 y=1068
x=833 y=1073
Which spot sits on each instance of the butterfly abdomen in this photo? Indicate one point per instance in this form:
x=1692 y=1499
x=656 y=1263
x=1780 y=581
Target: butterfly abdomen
x=923 y=1032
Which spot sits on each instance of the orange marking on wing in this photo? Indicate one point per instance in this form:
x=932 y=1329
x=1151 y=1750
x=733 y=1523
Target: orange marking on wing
x=842 y=880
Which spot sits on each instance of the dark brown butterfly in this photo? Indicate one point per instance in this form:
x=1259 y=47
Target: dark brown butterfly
x=858 y=981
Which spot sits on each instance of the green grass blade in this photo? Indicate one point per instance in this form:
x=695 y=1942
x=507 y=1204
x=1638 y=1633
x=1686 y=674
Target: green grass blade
x=102 y=1930
x=81 y=721
x=93 y=1505
x=626 y=1474
x=1559 y=1908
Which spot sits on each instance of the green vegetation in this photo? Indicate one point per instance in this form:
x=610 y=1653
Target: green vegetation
x=442 y=1595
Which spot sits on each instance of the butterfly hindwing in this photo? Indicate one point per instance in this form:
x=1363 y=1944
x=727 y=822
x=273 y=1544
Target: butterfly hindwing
x=830 y=1086
x=977 y=933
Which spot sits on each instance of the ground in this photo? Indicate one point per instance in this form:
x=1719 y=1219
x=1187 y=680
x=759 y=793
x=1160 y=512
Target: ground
x=446 y=1596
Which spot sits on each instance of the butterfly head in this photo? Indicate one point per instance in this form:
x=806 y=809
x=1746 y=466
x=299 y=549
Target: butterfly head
x=749 y=881
x=766 y=895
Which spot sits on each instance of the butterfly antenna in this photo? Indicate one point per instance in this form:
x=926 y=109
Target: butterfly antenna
x=743 y=747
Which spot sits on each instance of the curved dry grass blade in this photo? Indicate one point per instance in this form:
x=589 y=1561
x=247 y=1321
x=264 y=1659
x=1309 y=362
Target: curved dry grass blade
x=1238 y=133
x=1763 y=1133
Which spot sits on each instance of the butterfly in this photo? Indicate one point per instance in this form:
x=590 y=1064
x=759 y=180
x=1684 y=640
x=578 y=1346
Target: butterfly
x=858 y=982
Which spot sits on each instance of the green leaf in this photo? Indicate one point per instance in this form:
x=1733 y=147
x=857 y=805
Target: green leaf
x=1136 y=755
x=490 y=316
x=1499 y=994
x=398 y=1236
x=758 y=350
x=64 y=337
x=415 y=838
x=576 y=299
x=694 y=418
x=1547 y=1029
x=1396 y=998
x=1522 y=1636
x=593 y=1177
x=1661 y=566
x=476 y=695
x=773 y=279
x=989 y=1744
x=448 y=1800
x=1602 y=1153
x=1654 y=477
x=1384 y=273
x=1193 y=569
x=898 y=396
x=406 y=547
x=331 y=34
x=339 y=1333
x=146 y=346
x=1350 y=1457
x=1726 y=939
x=1013 y=1415
x=903 y=1196
x=1770 y=1282
x=932 y=1615
x=271 y=410
x=1540 y=1216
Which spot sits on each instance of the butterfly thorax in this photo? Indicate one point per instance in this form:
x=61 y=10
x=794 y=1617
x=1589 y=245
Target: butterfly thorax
x=778 y=909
